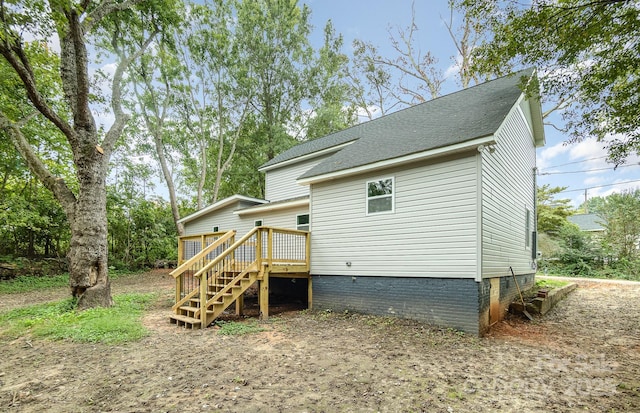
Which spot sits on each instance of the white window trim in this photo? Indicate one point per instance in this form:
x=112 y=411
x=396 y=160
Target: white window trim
x=307 y=225
x=393 y=196
x=216 y=228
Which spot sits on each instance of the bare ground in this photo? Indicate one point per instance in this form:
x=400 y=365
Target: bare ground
x=583 y=356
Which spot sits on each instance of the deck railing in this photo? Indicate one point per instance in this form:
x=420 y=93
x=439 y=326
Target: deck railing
x=220 y=258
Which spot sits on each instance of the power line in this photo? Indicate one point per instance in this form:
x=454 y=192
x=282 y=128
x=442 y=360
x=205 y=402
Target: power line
x=600 y=186
x=571 y=163
x=587 y=170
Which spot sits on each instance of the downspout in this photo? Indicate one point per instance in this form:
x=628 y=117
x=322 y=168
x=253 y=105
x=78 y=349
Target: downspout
x=479 y=221
x=534 y=234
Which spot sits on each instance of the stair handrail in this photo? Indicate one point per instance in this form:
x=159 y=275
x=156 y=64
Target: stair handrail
x=204 y=252
x=227 y=251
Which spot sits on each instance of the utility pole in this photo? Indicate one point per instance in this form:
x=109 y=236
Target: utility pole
x=586 y=206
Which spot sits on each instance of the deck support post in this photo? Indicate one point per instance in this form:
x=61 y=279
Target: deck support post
x=240 y=305
x=203 y=300
x=264 y=296
x=179 y=288
x=309 y=293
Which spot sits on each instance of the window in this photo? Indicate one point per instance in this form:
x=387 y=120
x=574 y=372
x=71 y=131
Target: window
x=527 y=228
x=257 y=223
x=216 y=229
x=380 y=196
x=302 y=222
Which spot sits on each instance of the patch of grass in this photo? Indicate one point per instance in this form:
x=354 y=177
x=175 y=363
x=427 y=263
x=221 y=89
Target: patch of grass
x=28 y=283
x=235 y=328
x=455 y=394
x=60 y=321
x=547 y=283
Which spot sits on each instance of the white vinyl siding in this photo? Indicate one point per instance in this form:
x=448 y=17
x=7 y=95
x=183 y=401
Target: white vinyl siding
x=433 y=232
x=223 y=218
x=280 y=218
x=280 y=183
x=507 y=192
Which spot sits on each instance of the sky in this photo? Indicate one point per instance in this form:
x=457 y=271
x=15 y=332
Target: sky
x=578 y=166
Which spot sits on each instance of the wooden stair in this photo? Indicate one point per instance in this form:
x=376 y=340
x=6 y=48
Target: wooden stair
x=225 y=289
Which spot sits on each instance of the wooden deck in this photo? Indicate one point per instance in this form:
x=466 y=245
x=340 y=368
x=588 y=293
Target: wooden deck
x=216 y=273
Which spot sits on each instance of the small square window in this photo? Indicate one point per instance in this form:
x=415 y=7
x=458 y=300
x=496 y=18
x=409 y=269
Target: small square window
x=257 y=223
x=302 y=222
x=216 y=229
x=380 y=196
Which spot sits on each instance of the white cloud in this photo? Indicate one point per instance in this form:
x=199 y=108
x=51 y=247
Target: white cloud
x=363 y=116
x=547 y=155
x=594 y=180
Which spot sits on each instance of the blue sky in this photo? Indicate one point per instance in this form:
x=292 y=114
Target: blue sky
x=576 y=166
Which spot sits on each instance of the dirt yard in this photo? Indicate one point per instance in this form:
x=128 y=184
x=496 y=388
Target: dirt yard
x=583 y=356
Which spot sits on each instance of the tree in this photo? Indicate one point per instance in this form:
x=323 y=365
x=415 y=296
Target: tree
x=552 y=213
x=331 y=90
x=587 y=51
x=620 y=213
x=74 y=24
x=412 y=75
x=214 y=94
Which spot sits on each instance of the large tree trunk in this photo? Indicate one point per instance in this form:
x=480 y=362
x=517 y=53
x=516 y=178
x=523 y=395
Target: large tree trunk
x=88 y=270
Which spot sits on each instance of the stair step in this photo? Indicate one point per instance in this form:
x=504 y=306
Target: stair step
x=183 y=320
x=189 y=308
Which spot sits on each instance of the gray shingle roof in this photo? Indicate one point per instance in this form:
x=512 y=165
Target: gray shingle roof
x=455 y=118
x=587 y=222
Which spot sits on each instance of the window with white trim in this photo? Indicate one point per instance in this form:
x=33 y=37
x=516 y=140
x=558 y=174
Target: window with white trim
x=216 y=228
x=380 y=195
x=257 y=223
x=302 y=222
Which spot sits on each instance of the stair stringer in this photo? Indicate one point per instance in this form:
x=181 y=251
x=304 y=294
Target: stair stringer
x=218 y=303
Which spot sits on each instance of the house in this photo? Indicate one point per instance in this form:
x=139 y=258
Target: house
x=425 y=213
x=591 y=223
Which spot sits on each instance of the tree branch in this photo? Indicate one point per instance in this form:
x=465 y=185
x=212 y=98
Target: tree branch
x=121 y=117
x=55 y=184
x=104 y=9
x=12 y=51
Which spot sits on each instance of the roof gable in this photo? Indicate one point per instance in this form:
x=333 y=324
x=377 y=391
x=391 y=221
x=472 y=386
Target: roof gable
x=448 y=120
x=221 y=204
x=587 y=222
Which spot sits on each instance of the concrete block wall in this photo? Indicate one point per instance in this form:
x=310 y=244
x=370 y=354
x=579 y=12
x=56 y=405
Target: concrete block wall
x=508 y=293
x=446 y=302
x=508 y=289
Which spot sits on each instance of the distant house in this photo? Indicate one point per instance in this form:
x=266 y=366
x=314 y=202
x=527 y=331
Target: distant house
x=422 y=213
x=591 y=223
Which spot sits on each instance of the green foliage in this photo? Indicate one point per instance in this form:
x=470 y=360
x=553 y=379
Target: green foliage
x=588 y=52
x=620 y=213
x=141 y=231
x=60 y=321
x=578 y=255
x=28 y=283
x=552 y=213
x=234 y=328
x=549 y=283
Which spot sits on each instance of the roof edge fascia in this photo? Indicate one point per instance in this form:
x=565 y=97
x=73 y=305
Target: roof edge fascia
x=222 y=203
x=387 y=163
x=272 y=207
x=311 y=155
